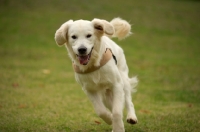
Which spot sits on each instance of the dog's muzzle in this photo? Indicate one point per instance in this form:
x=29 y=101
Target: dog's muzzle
x=83 y=59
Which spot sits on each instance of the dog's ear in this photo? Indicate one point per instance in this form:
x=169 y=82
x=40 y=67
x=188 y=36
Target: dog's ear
x=61 y=33
x=103 y=26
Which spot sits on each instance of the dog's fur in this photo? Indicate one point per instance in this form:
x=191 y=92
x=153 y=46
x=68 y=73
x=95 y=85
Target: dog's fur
x=108 y=87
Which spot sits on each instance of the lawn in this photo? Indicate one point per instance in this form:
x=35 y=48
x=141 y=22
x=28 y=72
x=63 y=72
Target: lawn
x=38 y=91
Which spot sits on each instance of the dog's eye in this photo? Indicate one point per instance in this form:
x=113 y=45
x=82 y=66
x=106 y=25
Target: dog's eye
x=74 y=37
x=89 y=35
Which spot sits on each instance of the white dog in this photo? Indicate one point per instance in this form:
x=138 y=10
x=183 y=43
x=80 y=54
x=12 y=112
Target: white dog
x=100 y=66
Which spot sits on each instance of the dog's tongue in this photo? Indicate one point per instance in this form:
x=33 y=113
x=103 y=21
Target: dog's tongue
x=83 y=59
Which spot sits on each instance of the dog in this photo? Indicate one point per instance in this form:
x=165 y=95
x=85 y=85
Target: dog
x=100 y=66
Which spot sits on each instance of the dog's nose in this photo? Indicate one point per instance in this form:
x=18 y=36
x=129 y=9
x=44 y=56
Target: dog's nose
x=82 y=50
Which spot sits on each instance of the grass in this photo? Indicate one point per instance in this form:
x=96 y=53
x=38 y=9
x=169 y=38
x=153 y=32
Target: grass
x=37 y=87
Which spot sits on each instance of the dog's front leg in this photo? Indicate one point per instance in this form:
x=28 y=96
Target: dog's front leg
x=117 y=110
x=99 y=107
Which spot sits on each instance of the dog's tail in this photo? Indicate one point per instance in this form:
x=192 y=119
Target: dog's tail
x=133 y=82
x=122 y=28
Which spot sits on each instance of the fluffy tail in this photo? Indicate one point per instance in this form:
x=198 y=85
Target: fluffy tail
x=133 y=81
x=122 y=28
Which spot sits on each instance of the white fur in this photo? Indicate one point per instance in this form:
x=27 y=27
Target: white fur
x=108 y=87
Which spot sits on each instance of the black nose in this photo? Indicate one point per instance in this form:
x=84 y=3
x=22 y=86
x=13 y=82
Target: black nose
x=82 y=50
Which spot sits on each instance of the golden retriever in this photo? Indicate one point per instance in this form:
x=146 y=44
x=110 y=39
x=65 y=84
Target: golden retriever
x=100 y=66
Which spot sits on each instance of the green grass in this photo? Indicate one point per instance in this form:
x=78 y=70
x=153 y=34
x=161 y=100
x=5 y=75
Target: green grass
x=38 y=91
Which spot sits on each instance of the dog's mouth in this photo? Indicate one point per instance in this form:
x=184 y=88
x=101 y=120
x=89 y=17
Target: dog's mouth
x=84 y=59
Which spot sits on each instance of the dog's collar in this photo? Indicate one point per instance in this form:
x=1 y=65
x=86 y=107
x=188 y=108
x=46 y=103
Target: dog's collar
x=105 y=58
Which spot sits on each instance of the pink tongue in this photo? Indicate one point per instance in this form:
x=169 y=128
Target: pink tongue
x=83 y=59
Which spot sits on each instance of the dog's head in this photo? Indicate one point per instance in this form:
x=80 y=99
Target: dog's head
x=81 y=36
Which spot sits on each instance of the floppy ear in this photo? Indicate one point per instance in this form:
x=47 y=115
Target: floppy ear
x=61 y=33
x=103 y=26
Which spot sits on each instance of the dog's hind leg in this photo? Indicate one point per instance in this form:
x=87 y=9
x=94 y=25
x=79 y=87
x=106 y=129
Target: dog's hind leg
x=131 y=116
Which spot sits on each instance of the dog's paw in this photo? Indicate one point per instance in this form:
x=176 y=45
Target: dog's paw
x=132 y=121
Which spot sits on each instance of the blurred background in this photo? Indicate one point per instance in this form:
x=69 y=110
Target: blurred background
x=38 y=91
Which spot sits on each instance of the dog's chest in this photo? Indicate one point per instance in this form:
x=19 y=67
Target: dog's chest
x=94 y=81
